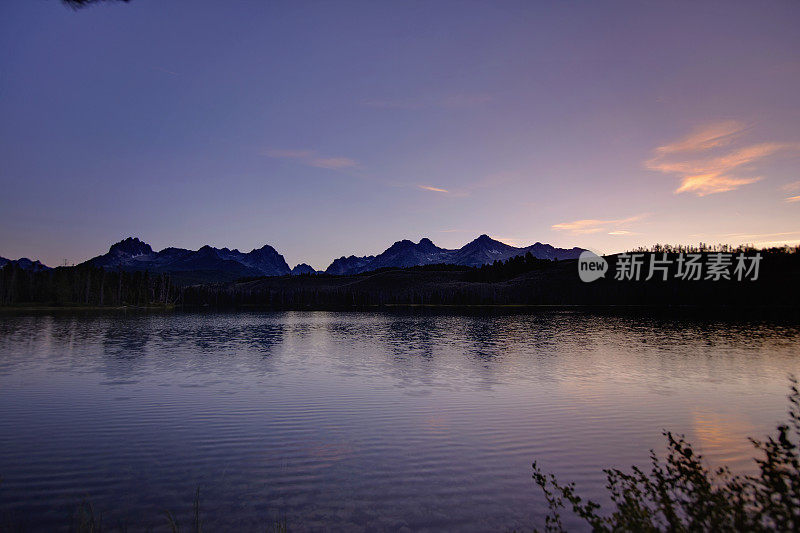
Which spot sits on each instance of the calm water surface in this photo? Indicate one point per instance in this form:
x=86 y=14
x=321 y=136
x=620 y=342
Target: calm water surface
x=363 y=421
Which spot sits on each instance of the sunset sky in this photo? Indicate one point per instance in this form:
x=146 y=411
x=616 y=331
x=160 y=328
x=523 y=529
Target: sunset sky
x=337 y=128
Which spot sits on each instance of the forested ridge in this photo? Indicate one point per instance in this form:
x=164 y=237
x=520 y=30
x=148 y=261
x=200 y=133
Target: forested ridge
x=522 y=280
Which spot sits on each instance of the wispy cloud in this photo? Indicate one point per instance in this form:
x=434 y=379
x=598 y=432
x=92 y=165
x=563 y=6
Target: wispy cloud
x=784 y=238
x=793 y=199
x=434 y=189
x=447 y=102
x=332 y=162
x=703 y=173
x=312 y=159
x=760 y=235
x=465 y=100
x=165 y=71
x=769 y=244
x=740 y=238
x=791 y=187
x=488 y=182
x=705 y=137
x=590 y=225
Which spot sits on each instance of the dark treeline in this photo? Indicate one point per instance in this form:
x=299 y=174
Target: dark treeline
x=706 y=247
x=85 y=285
x=518 y=281
x=510 y=268
x=522 y=280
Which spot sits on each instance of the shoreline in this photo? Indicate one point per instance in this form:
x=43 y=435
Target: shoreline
x=378 y=307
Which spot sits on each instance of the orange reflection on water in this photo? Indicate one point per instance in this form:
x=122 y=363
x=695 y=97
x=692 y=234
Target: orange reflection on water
x=723 y=439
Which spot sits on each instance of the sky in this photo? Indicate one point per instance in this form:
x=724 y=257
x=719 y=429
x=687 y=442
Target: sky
x=336 y=128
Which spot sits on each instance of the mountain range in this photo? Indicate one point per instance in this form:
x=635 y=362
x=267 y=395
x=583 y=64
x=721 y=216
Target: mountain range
x=209 y=264
x=479 y=252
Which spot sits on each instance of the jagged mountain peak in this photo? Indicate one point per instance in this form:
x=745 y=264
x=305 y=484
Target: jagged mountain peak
x=130 y=246
x=208 y=250
x=405 y=243
x=303 y=268
x=265 y=248
x=485 y=240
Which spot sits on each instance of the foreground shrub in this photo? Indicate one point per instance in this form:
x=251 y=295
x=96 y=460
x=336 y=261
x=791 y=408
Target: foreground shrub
x=680 y=493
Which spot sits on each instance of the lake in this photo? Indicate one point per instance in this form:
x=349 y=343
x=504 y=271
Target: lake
x=411 y=420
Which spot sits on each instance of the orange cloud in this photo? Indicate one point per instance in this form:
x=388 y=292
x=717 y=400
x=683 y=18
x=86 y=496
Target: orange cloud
x=705 y=137
x=586 y=226
x=705 y=175
x=703 y=184
x=434 y=189
x=793 y=199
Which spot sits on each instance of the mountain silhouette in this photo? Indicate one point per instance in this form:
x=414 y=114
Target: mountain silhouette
x=480 y=251
x=222 y=264
x=132 y=254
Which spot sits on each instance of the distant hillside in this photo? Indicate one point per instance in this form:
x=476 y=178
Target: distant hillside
x=206 y=264
x=481 y=251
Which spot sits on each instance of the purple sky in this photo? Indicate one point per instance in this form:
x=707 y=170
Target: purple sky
x=330 y=128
